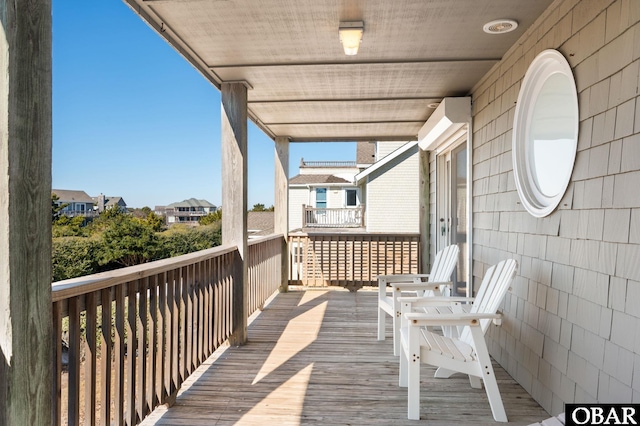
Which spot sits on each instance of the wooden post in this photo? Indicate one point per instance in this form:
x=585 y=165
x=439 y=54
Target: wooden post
x=26 y=349
x=281 y=225
x=423 y=252
x=234 y=197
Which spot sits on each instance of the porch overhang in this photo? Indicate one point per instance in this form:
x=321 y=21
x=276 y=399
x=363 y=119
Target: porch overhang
x=413 y=54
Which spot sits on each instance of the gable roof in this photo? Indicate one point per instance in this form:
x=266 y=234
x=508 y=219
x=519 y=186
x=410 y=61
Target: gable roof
x=315 y=179
x=66 y=195
x=395 y=154
x=192 y=202
x=110 y=201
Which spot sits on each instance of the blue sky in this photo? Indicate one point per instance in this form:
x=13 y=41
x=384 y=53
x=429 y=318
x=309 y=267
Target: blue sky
x=132 y=118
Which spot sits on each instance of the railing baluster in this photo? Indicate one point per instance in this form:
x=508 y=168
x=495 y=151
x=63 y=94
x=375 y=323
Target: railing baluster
x=152 y=352
x=90 y=369
x=119 y=355
x=142 y=350
x=57 y=363
x=105 y=358
x=132 y=347
x=160 y=366
x=73 y=411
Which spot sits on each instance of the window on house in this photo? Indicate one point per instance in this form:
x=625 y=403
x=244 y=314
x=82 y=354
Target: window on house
x=352 y=197
x=321 y=198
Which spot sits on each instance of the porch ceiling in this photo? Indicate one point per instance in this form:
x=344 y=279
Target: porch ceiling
x=413 y=53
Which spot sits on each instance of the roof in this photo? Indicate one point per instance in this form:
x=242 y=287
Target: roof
x=192 y=202
x=66 y=195
x=260 y=223
x=110 y=201
x=316 y=179
x=386 y=160
x=302 y=85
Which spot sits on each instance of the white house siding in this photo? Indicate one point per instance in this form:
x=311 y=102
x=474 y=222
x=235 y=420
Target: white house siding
x=572 y=326
x=297 y=197
x=385 y=148
x=392 y=195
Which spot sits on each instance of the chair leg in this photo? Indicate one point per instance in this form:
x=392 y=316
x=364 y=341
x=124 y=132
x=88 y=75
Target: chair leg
x=475 y=382
x=381 y=324
x=413 y=375
x=396 y=322
x=402 y=374
x=488 y=376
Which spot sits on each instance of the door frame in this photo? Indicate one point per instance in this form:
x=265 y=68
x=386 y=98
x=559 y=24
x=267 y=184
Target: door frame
x=446 y=148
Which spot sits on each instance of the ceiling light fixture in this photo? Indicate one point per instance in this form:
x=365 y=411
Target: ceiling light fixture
x=351 y=36
x=500 y=26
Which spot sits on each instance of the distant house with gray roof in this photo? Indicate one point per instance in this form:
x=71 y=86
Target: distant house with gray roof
x=104 y=202
x=187 y=212
x=77 y=203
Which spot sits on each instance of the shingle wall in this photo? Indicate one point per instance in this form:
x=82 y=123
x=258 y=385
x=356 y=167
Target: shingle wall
x=572 y=320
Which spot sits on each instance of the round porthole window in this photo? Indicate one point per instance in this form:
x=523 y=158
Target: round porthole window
x=545 y=133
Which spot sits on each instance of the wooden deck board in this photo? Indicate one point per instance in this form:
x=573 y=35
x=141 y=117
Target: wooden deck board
x=313 y=358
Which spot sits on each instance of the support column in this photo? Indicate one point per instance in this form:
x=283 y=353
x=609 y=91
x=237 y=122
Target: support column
x=234 y=197
x=281 y=225
x=26 y=354
x=425 y=224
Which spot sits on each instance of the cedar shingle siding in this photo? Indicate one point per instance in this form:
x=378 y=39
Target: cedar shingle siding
x=571 y=319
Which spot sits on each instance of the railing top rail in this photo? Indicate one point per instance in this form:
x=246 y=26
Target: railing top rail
x=87 y=284
x=329 y=233
x=329 y=163
x=264 y=239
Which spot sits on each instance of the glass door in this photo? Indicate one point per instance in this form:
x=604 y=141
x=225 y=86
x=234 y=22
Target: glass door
x=452 y=211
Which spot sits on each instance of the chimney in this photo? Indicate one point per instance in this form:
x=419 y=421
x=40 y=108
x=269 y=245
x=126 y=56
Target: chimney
x=101 y=202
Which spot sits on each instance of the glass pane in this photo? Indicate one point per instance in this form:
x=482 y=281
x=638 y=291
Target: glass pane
x=351 y=198
x=459 y=216
x=321 y=194
x=552 y=135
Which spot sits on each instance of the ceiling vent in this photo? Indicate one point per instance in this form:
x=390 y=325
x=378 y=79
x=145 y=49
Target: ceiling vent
x=500 y=26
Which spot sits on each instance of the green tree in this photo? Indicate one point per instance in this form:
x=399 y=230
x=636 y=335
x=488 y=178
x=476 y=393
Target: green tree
x=182 y=240
x=211 y=218
x=154 y=221
x=56 y=207
x=128 y=241
x=74 y=257
x=66 y=226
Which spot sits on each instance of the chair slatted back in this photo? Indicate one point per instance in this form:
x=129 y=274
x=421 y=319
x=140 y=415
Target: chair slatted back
x=444 y=263
x=492 y=291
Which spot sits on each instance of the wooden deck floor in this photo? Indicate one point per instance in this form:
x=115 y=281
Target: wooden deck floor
x=313 y=358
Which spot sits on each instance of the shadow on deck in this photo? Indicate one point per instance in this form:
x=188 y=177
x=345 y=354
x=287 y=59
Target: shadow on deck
x=313 y=358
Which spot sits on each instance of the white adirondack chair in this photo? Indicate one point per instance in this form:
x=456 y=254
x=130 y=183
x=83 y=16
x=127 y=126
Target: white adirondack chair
x=440 y=276
x=467 y=354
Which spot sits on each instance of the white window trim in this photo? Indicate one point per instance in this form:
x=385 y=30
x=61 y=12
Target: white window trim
x=547 y=63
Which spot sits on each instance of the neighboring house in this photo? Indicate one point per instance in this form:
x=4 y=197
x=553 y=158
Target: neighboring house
x=104 y=202
x=324 y=195
x=187 y=212
x=78 y=203
x=391 y=186
x=259 y=224
x=359 y=195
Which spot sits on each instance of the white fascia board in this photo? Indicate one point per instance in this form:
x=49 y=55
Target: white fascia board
x=448 y=118
x=377 y=165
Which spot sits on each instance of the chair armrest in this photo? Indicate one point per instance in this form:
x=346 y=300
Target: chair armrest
x=461 y=319
x=408 y=286
x=416 y=301
x=399 y=278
